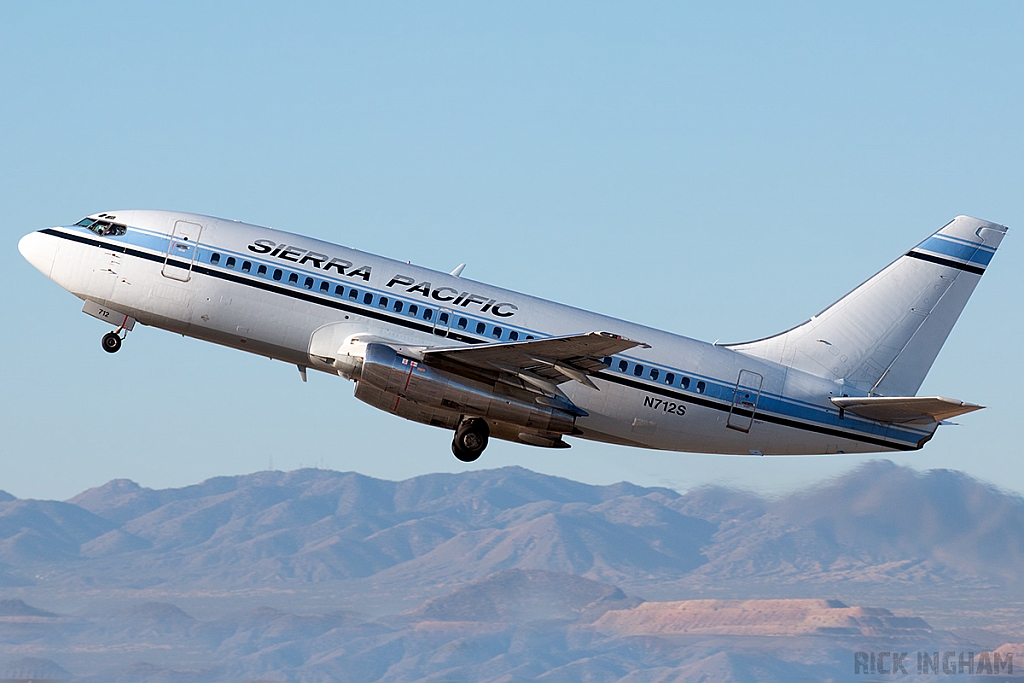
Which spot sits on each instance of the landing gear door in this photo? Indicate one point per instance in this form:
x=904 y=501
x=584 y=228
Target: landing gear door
x=744 y=401
x=182 y=250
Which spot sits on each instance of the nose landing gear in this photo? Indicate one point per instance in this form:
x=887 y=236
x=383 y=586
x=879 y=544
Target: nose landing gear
x=111 y=342
x=470 y=439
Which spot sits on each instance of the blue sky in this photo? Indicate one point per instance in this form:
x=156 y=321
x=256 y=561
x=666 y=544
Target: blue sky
x=718 y=170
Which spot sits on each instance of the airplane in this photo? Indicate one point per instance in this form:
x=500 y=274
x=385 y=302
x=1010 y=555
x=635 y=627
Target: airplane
x=485 y=362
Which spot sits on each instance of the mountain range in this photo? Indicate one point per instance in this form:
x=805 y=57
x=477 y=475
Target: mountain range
x=315 y=574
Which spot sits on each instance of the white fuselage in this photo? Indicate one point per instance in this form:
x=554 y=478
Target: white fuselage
x=267 y=292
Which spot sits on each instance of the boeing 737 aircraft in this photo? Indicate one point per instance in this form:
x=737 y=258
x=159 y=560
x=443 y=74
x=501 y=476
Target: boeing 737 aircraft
x=435 y=348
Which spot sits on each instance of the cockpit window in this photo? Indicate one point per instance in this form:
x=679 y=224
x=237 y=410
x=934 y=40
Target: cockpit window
x=104 y=228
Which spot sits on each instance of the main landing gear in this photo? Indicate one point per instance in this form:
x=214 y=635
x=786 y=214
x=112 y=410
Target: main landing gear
x=470 y=439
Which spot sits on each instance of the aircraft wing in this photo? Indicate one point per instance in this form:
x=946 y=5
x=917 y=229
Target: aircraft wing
x=543 y=363
x=905 y=408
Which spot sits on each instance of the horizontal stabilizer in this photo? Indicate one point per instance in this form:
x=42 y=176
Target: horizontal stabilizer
x=905 y=408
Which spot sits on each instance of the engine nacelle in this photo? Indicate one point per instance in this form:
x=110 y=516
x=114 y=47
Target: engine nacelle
x=395 y=379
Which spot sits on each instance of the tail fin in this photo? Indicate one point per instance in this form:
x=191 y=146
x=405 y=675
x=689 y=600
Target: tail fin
x=883 y=337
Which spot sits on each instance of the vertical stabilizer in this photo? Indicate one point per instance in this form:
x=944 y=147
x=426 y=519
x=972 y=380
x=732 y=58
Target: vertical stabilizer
x=883 y=337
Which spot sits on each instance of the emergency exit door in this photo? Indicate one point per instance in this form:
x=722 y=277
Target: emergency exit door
x=744 y=401
x=182 y=251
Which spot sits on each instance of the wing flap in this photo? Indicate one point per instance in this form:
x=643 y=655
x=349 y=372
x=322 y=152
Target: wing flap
x=905 y=408
x=554 y=360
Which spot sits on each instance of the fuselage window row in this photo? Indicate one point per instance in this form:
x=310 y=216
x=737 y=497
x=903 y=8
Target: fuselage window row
x=382 y=302
x=653 y=374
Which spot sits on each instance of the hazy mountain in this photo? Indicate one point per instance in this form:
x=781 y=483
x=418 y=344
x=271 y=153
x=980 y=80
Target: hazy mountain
x=18 y=608
x=46 y=531
x=32 y=669
x=516 y=625
x=880 y=522
x=503 y=575
x=311 y=526
x=518 y=596
x=314 y=526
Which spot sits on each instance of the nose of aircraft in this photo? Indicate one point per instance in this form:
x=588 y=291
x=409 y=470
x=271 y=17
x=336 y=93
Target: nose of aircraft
x=39 y=250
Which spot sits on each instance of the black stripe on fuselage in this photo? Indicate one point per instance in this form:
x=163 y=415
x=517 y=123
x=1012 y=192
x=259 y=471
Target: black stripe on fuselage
x=415 y=325
x=270 y=287
x=764 y=417
x=949 y=263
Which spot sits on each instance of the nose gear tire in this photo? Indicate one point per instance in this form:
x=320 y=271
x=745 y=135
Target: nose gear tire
x=111 y=342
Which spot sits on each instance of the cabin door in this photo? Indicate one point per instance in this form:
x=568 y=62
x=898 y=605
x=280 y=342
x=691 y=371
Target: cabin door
x=182 y=251
x=744 y=401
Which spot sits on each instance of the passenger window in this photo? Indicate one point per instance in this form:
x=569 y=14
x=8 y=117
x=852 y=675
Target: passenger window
x=686 y=383
x=623 y=365
x=382 y=302
x=413 y=309
x=215 y=258
x=701 y=387
x=278 y=273
x=462 y=323
x=339 y=290
x=293 y=278
x=480 y=328
x=654 y=374
x=231 y=262
x=607 y=360
x=513 y=336
x=353 y=294
x=308 y=283
x=325 y=286
x=496 y=333
x=670 y=378
x=529 y=337
x=262 y=270
x=368 y=298
x=442 y=319
x=246 y=266
x=427 y=314
x=399 y=306
x=638 y=370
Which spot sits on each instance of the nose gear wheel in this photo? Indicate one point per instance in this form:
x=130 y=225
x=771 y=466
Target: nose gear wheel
x=111 y=342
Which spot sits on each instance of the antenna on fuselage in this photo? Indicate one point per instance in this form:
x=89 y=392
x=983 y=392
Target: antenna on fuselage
x=458 y=269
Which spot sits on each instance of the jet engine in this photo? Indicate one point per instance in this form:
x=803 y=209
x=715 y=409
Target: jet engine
x=389 y=381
